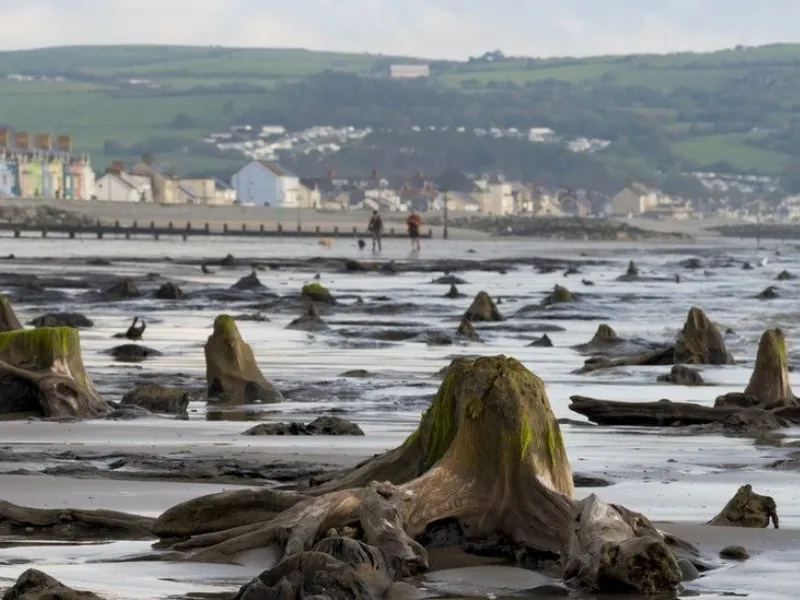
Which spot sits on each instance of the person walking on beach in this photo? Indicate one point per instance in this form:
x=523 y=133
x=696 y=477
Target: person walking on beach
x=375 y=227
x=414 y=223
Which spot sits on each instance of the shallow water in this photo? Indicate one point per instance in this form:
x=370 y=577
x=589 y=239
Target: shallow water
x=669 y=477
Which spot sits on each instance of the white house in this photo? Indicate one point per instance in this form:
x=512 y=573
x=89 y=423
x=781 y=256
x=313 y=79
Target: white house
x=267 y=184
x=635 y=199
x=497 y=198
x=112 y=187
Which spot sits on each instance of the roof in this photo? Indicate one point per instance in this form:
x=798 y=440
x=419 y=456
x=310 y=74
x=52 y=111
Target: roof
x=640 y=188
x=188 y=191
x=275 y=169
x=461 y=198
x=122 y=180
x=456 y=181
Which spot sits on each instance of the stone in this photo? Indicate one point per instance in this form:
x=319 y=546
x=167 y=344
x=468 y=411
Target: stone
x=325 y=425
x=158 y=398
x=734 y=552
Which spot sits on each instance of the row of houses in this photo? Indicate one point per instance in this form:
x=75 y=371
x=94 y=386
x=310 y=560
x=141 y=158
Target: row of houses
x=142 y=183
x=264 y=183
x=47 y=174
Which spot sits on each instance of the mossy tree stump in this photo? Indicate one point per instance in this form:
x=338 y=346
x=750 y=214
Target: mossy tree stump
x=232 y=374
x=487 y=457
x=8 y=318
x=42 y=373
x=769 y=382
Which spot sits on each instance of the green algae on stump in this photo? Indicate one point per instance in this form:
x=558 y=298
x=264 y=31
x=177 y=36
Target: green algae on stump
x=42 y=372
x=487 y=462
x=559 y=295
x=232 y=374
x=316 y=292
x=8 y=318
x=769 y=382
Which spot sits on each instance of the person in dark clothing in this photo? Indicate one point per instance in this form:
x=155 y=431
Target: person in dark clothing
x=414 y=223
x=375 y=227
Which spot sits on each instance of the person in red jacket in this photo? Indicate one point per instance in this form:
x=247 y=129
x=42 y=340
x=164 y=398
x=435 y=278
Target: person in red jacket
x=414 y=223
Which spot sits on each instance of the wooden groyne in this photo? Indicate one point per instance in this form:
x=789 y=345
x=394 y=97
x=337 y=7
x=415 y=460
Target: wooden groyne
x=135 y=230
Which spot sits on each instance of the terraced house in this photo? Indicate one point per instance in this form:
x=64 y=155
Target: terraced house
x=37 y=169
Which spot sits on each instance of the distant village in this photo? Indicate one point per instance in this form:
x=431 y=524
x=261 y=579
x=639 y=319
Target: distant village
x=40 y=166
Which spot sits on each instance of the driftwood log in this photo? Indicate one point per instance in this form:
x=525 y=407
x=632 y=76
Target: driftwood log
x=767 y=402
x=42 y=374
x=232 y=373
x=699 y=342
x=487 y=462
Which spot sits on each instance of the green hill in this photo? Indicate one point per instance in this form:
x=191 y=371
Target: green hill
x=663 y=113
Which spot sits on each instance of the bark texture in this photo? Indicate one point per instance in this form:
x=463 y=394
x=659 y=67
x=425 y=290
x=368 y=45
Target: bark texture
x=748 y=509
x=8 y=318
x=232 y=373
x=487 y=458
x=42 y=374
x=482 y=308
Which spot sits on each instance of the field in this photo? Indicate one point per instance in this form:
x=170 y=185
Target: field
x=213 y=86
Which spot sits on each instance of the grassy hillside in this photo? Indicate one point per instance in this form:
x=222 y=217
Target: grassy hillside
x=705 y=105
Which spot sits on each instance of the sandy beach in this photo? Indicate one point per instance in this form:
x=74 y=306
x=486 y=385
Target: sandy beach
x=398 y=329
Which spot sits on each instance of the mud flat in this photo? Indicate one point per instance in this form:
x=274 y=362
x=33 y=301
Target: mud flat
x=377 y=362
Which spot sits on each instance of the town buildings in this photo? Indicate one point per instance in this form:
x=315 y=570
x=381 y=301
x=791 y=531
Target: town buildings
x=35 y=167
x=267 y=184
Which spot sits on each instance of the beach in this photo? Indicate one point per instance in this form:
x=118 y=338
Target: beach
x=389 y=326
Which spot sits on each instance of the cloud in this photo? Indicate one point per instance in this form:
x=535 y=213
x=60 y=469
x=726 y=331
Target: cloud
x=432 y=28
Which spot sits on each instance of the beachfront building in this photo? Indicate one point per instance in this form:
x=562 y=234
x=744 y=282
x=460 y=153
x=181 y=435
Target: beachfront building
x=267 y=184
x=634 y=199
x=8 y=175
x=32 y=167
x=122 y=187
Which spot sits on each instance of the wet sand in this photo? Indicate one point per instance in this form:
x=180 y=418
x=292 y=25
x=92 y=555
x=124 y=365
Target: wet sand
x=670 y=476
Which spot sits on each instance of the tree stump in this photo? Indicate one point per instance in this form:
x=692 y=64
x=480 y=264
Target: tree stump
x=482 y=308
x=8 y=318
x=232 y=373
x=488 y=457
x=42 y=373
x=700 y=342
x=747 y=509
x=608 y=553
x=769 y=382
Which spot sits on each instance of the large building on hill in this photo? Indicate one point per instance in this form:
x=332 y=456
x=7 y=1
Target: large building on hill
x=34 y=168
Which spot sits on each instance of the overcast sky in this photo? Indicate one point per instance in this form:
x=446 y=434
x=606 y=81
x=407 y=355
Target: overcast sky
x=430 y=28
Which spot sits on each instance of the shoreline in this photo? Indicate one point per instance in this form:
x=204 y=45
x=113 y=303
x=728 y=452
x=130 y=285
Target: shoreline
x=126 y=213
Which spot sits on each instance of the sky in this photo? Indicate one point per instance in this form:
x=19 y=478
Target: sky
x=453 y=29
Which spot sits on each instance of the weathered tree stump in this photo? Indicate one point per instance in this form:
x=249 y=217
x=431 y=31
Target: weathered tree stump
x=8 y=318
x=232 y=373
x=482 y=308
x=36 y=585
x=747 y=509
x=769 y=382
x=487 y=458
x=609 y=553
x=700 y=342
x=42 y=374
